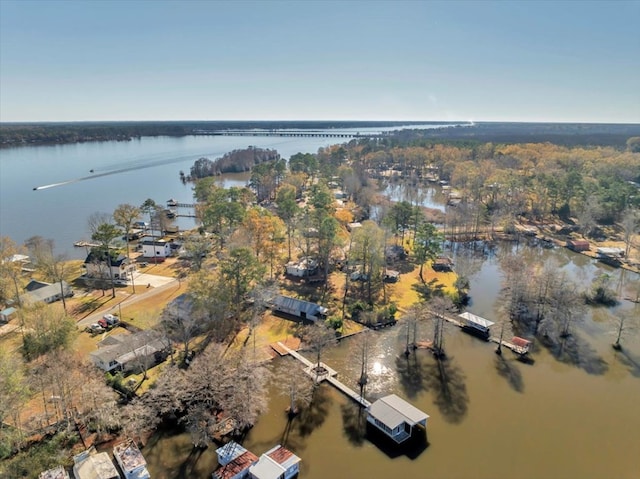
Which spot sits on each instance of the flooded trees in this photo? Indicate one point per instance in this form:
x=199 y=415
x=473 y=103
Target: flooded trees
x=319 y=338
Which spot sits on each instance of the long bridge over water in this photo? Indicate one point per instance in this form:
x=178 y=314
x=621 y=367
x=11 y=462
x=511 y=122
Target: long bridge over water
x=290 y=133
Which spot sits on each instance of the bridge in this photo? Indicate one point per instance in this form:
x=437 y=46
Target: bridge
x=289 y=133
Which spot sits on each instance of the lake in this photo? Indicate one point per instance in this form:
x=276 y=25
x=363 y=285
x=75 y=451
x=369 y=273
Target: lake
x=151 y=170
x=490 y=417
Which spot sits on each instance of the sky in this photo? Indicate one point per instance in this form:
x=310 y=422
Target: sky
x=303 y=60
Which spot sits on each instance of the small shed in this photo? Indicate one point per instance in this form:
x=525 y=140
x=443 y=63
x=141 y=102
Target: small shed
x=5 y=314
x=521 y=345
x=229 y=452
x=131 y=460
x=353 y=226
x=476 y=324
x=609 y=253
x=578 y=245
x=396 y=418
x=298 y=307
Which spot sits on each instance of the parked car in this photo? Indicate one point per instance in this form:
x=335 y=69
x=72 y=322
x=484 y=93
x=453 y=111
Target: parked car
x=95 y=328
x=111 y=319
x=103 y=323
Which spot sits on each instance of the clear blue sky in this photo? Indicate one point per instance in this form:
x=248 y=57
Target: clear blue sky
x=205 y=60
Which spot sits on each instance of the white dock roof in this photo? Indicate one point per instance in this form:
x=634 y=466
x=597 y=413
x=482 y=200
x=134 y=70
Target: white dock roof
x=476 y=319
x=393 y=411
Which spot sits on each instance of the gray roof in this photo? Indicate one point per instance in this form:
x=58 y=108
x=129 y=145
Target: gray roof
x=393 y=411
x=126 y=347
x=480 y=321
x=49 y=291
x=267 y=468
x=298 y=304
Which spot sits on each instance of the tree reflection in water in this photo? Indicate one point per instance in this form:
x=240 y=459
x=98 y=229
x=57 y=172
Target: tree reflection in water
x=354 y=422
x=508 y=370
x=447 y=382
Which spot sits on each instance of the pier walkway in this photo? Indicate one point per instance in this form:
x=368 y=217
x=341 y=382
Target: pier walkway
x=328 y=375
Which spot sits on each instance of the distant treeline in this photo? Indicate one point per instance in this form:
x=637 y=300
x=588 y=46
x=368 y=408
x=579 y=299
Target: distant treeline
x=566 y=134
x=236 y=161
x=18 y=134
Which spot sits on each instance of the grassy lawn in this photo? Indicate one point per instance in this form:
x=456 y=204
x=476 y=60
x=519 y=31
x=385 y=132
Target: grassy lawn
x=144 y=314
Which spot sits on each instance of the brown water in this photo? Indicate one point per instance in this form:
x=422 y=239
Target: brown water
x=490 y=417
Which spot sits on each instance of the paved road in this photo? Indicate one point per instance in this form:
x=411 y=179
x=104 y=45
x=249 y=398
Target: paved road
x=142 y=292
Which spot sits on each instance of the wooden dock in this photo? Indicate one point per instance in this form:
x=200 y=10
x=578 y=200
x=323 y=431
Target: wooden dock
x=329 y=375
x=505 y=344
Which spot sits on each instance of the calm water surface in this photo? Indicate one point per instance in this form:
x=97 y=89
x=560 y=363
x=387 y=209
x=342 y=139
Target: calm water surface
x=490 y=417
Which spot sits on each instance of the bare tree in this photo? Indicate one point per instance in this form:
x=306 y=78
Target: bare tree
x=319 y=338
x=439 y=307
x=181 y=323
x=293 y=383
x=630 y=226
x=53 y=267
x=627 y=323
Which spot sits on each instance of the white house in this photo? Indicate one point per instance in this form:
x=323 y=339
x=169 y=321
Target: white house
x=276 y=463
x=303 y=268
x=395 y=417
x=152 y=248
x=97 y=265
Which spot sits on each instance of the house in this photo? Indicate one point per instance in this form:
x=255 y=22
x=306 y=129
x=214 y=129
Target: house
x=276 y=463
x=153 y=248
x=578 y=245
x=234 y=461
x=297 y=307
x=442 y=264
x=476 y=324
x=46 y=292
x=391 y=276
x=130 y=352
x=55 y=473
x=97 y=265
x=5 y=314
x=396 y=418
x=353 y=226
x=604 y=253
x=93 y=465
x=303 y=268
x=131 y=460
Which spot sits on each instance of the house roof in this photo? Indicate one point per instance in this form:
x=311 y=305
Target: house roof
x=49 y=291
x=472 y=318
x=283 y=456
x=123 y=348
x=96 y=466
x=34 y=285
x=298 y=304
x=267 y=468
x=239 y=464
x=229 y=452
x=521 y=342
x=101 y=257
x=56 y=473
x=8 y=311
x=393 y=411
x=149 y=242
x=130 y=456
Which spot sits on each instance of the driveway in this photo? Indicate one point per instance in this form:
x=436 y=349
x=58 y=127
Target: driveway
x=144 y=279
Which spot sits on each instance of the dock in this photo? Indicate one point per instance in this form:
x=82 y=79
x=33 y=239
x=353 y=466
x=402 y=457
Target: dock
x=329 y=375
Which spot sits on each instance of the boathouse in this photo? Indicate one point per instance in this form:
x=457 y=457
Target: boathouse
x=476 y=324
x=299 y=308
x=520 y=345
x=234 y=461
x=578 y=245
x=276 y=463
x=131 y=460
x=396 y=418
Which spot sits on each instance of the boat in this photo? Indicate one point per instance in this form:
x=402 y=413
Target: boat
x=172 y=202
